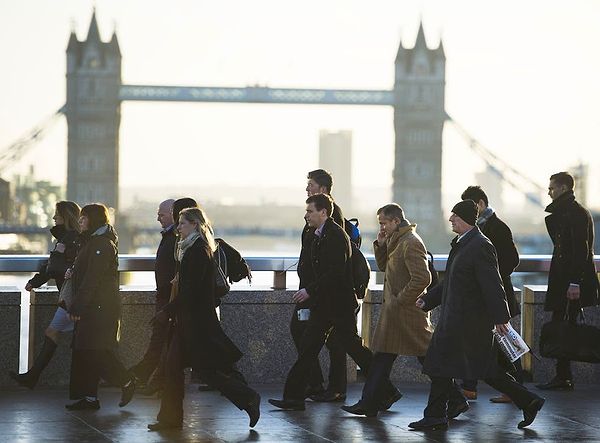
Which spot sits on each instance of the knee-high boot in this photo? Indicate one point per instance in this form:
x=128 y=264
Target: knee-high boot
x=30 y=378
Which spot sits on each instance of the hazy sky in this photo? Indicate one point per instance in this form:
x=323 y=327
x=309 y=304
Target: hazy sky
x=522 y=76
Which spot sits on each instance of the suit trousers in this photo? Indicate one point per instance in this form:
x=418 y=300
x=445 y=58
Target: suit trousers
x=317 y=329
x=563 y=367
x=228 y=381
x=88 y=366
x=337 y=379
x=156 y=348
x=446 y=392
x=377 y=387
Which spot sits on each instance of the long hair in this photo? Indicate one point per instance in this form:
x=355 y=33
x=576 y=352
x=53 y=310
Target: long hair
x=97 y=215
x=70 y=212
x=203 y=225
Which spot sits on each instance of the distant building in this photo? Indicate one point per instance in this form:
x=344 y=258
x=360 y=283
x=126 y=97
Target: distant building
x=335 y=156
x=6 y=215
x=93 y=115
x=419 y=118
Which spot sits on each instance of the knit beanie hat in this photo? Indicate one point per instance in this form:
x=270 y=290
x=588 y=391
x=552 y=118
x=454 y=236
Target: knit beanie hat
x=467 y=210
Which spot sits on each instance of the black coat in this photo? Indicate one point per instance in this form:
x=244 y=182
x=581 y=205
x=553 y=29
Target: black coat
x=164 y=266
x=508 y=257
x=472 y=301
x=332 y=290
x=571 y=229
x=205 y=345
x=96 y=293
x=305 y=267
x=70 y=239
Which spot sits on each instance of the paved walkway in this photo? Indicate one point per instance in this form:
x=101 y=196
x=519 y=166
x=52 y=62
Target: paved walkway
x=38 y=416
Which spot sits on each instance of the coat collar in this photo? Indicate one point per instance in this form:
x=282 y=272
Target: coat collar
x=466 y=238
x=398 y=234
x=561 y=203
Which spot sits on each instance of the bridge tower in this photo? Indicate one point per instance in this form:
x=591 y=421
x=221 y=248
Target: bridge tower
x=419 y=115
x=93 y=116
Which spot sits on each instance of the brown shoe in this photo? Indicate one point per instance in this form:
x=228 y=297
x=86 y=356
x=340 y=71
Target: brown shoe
x=501 y=399
x=470 y=395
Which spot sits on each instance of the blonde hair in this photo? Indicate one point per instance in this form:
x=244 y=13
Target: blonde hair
x=70 y=212
x=203 y=225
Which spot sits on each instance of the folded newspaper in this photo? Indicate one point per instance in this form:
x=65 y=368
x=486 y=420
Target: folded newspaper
x=511 y=343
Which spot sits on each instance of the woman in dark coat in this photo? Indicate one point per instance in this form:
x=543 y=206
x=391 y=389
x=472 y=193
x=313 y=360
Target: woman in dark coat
x=197 y=339
x=96 y=309
x=62 y=256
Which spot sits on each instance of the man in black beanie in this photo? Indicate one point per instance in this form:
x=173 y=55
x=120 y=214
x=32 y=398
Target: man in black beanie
x=472 y=302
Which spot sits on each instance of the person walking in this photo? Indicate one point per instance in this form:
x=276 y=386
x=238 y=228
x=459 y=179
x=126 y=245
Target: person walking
x=472 y=303
x=402 y=328
x=96 y=311
x=66 y=233
x=572 y=280
x=196 y=337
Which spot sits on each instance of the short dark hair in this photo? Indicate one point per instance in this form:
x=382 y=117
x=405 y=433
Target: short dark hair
x=563 y=178
x=180 y=204
x=475 y=193
x=97 y=215
x=392 y=210
x=321 y=201
x=322 y=177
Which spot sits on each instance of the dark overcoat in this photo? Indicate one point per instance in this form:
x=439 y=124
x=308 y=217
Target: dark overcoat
x=332 y=289
x=164 y=266
x=96 y=292
x=70 y=238
x=508 y=257
x=205 y=345
x=472 y=301
x=571 y=229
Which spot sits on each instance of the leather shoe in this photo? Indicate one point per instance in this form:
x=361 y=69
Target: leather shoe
x=127 y=392
x=501 y=399
x=359 y=409
x=253 y=410
x=429 y=424
x=384 y=406
x=470 y=395
x=329 y=397
x=84 y=405
x=557 y=384
x=454 y=410
x=288 y=405
x=161 y=425
x=531 y=411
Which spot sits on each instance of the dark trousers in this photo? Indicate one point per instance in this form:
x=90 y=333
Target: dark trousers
x=318 y=327
x=516 y=372
x=376 y=388
x=228 y=381
x=337 y=381
x=156 y=348
x=445 y=391
x=563 y=367
x=88 y=366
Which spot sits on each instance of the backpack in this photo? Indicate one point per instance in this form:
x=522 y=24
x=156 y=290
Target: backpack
x=361 y=271
x=351 y=228
x=230 y=267
x=435 y=278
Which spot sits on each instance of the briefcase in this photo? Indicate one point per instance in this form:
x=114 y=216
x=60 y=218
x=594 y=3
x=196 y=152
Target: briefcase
x=575 y=342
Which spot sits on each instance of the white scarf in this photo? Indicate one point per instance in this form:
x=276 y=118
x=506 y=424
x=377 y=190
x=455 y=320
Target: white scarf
x=184 y=244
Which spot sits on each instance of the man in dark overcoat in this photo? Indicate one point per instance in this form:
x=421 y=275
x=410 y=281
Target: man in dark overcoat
x=334 y=302
x=508 y=259
x=472 y=303
x=164 y=271
x=572 y=280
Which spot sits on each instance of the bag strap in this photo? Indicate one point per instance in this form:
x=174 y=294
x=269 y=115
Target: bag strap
x=580 y=313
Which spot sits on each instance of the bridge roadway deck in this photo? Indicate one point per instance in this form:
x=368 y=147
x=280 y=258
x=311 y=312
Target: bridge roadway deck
x=38 y=416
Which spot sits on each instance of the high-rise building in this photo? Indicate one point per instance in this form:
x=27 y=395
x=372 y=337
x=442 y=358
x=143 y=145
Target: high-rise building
x=93 y=115
x=419 y=117
x=335 y=156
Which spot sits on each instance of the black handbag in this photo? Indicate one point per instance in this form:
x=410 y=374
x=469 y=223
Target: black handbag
x=570 y=341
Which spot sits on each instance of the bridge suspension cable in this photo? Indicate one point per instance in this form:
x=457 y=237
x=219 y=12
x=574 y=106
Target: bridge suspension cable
x=14 y=152
x=501 y=168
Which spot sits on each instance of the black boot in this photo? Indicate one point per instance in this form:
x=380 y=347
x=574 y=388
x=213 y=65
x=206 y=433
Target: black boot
x=30 y=378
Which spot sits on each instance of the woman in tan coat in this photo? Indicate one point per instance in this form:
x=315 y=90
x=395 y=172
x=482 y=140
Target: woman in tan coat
x=402 y=328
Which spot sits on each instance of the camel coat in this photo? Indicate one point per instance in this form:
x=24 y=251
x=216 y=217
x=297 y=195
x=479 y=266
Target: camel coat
x=403 y=329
